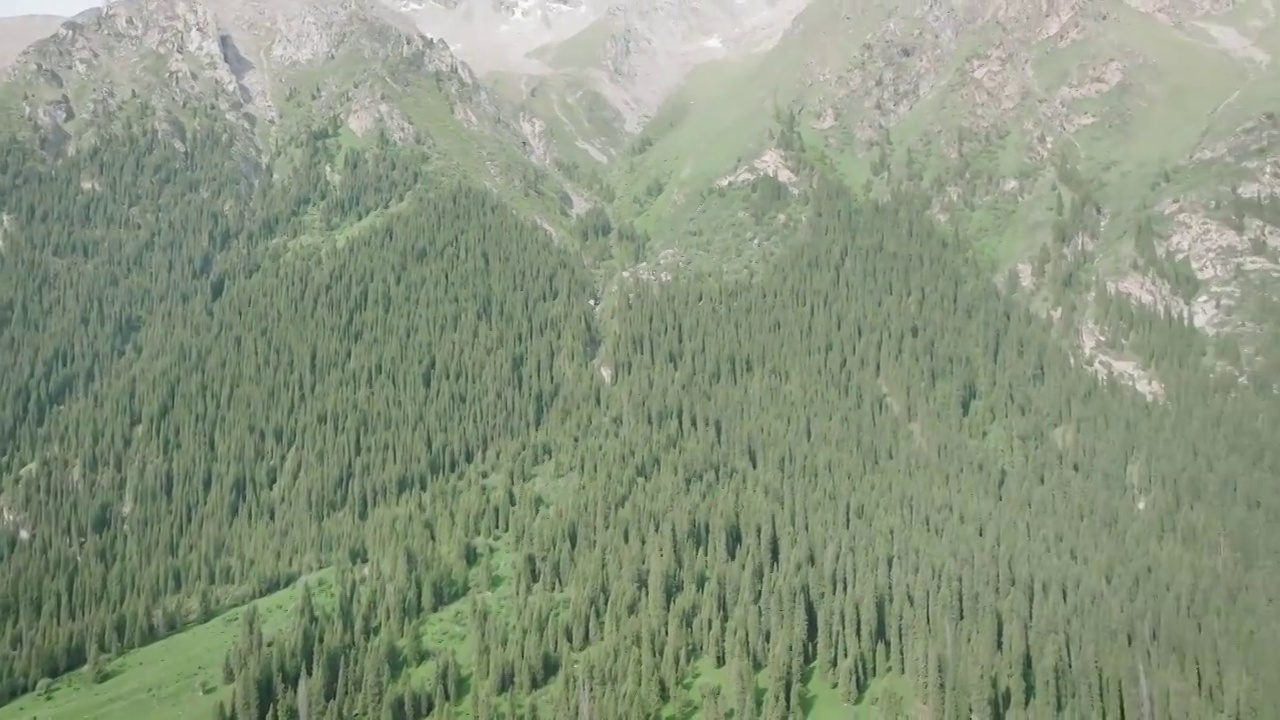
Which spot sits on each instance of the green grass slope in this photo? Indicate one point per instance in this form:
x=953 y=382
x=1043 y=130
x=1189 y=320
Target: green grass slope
x=1030 y=131
x=178 y=677
x=857 y=66
x=181 y=676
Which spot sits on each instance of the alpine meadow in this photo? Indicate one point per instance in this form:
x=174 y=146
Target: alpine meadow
x=630 y=360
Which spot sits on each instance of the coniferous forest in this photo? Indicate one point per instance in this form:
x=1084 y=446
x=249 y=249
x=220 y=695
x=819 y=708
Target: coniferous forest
x=862 y=464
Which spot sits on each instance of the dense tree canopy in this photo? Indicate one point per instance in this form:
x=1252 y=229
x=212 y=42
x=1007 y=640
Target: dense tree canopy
x=862 y=464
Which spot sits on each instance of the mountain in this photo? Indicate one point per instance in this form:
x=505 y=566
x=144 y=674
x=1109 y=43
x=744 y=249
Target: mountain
x=271 y=72
x=636 y=52
x=1033 y=124
x=739 y=360
x=18 y=32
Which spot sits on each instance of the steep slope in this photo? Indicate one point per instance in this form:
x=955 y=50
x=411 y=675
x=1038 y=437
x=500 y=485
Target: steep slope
x=273 y=72
x=1083 y=130
x=277 y=296
x=862 y=483
x=174 y=175
x=1086 y=147
x=18 y=32
x=605 y=60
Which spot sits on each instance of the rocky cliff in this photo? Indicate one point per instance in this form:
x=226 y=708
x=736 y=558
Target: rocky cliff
x=248 y=58
x=269 y=74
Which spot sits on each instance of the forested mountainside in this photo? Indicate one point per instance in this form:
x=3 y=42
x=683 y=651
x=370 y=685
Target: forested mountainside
x=1153 y=121
x=297 y=423
x=864 y=470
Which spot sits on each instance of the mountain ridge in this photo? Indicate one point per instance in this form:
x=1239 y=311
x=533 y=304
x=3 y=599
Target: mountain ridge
x=272 y=71
x=815 y=389
x=1028 y=122
x=1007 y=112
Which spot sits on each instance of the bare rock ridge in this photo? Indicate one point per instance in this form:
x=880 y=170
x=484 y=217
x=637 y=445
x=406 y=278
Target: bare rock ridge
x=238 y=54
x=264 y=71
x=237 y=38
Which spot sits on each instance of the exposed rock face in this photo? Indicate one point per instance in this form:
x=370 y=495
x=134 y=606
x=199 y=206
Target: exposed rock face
x=1229 y=237
x=1225 y=260
x=167 y=52
x=287 y=33
x=368 y=115
x=1152 y=292
x=771 y=162
x=1226 y=239
x=1107 y=363
x=534 y=131
x=239 y=55
x=229 y=40
x=971 y=72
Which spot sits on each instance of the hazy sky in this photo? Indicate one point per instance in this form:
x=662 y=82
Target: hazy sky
x=45 y=7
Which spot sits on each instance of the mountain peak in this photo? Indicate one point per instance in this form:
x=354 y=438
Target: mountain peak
x=243 y=56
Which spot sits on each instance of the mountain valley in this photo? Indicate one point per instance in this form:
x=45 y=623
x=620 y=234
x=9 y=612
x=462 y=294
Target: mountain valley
x=751 y=359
